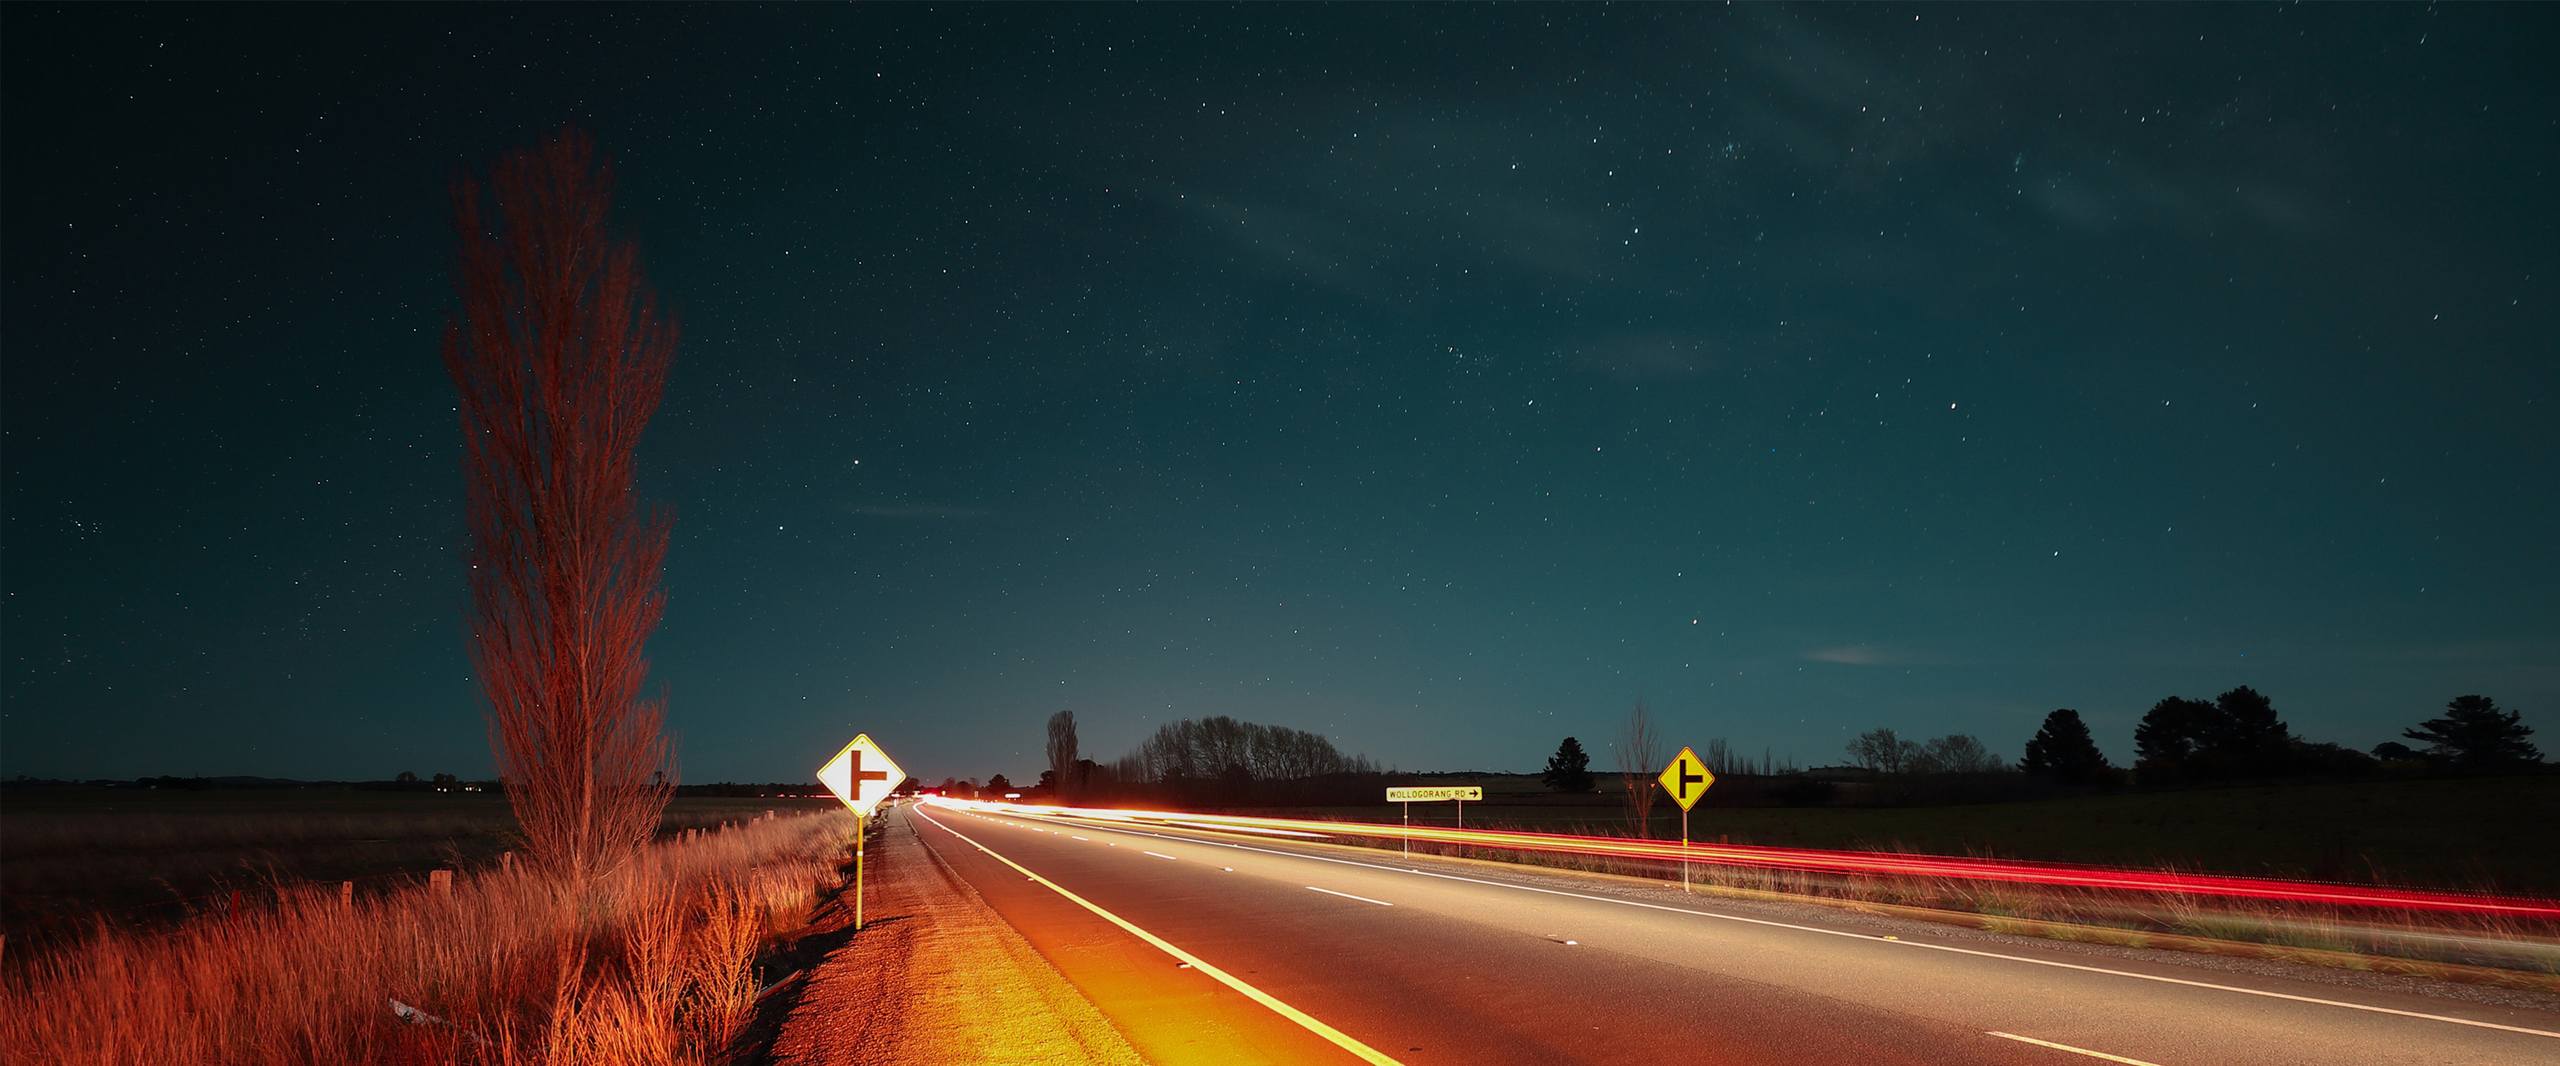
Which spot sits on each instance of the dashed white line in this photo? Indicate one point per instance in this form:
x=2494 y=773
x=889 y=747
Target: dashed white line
x=1346 y=895
x=1160 y=855
x=2069 y=1048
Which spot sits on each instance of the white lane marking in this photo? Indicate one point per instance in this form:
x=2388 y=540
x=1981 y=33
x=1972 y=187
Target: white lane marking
x=2367 y=1007
x=1346 y=895
x=1160 y=855
x=2069 y=1048
x=1085 y=839
x=1309 y=1022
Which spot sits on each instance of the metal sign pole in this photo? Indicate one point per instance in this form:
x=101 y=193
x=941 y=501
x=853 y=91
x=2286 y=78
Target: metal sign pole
x=1462 y=812
x=861 y=831
x=1684 y=849
x=1408 y=829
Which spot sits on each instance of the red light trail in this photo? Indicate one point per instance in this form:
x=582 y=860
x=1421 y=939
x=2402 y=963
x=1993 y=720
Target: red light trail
x=1860 y=863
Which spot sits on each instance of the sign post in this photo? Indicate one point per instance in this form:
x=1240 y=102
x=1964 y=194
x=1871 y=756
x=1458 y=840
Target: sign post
x=1686 y=779
x=1412 y=795
x=862 y=776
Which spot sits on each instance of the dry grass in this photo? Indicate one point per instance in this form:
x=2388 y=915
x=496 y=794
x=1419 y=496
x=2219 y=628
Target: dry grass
x=149 y=857
x=652 y=965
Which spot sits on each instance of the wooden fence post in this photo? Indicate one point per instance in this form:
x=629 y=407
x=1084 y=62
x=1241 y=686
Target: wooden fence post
x=507 y=861
x=441 y=881
x=346 y=895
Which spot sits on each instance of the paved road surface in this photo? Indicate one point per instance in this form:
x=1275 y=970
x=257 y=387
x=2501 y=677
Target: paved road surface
x=1205 y=948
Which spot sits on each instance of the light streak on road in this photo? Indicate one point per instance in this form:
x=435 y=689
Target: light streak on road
x=2475 y=1023
x=1346 y=895
x=1865 y=863
x=1304 y=1020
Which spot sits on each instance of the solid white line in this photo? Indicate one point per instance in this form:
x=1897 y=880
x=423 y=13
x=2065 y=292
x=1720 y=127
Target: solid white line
x=1309 y=1022
x=1085 y=839
x=2069 y=1048
x=2394 y=1011
x=1160 y=855
x=1346 y=895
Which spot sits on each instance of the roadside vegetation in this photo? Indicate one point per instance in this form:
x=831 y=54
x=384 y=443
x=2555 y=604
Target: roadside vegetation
x=74 y=855
x=653 y=961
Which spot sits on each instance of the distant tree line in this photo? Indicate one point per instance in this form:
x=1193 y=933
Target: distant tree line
x=1223 y=747
x=1217 y=760
x=2237 y=736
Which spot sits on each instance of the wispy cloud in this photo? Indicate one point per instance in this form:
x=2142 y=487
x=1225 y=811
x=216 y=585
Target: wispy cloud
x=918 y=511
x=1860 y=655
x=1646 y=357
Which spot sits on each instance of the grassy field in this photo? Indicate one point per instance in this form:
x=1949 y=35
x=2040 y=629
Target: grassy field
x=2464 y=833
x=657 y=961
x=71 y=855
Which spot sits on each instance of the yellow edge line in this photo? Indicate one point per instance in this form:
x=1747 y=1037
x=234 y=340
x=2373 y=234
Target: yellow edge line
x=1339 y=1039
x=2069 y=1048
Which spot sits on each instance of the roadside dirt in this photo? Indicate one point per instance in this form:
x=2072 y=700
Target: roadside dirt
x=935 y=976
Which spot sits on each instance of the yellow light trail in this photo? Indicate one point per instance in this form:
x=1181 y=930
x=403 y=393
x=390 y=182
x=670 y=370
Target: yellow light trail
x=1304 y=1020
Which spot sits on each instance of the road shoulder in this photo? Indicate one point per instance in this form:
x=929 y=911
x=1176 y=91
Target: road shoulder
x=937 y=976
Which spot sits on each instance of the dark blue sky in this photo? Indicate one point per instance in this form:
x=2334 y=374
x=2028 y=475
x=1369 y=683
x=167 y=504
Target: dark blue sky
x=1442 y=379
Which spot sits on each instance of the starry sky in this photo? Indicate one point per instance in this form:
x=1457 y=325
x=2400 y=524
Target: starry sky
x=1442 y=379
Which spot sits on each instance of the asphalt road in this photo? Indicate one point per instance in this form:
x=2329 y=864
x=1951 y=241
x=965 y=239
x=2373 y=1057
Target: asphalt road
x=1206 y=947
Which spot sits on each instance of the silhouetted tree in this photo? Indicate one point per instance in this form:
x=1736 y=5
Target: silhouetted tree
x=407 y=777
x=559 y=356
x=2320 y=759
x=1639 y=758
x=1048 y=782
x=1569 y=769
x=2063 y=750
x=1882 y=751
x=1062 y=745
x=1956 y=753
x=2475 y=735
x=2244 y=737
x=999 y=785
x=2394 y=751
x=2166 y=741
x=1202 y=748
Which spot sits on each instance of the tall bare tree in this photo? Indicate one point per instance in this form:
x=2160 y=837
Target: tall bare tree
x=559 y=355
x=1062 y=751
x=1639 y=759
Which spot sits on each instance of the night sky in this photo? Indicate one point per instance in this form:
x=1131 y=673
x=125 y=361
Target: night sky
x=1442 y=379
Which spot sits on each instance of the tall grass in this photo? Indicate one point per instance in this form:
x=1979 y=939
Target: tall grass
x=652 y=964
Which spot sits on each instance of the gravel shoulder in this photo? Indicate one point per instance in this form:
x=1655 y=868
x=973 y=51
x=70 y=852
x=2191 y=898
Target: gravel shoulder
x=936 y=976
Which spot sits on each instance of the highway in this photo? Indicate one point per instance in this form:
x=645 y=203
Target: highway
x=1213 y=947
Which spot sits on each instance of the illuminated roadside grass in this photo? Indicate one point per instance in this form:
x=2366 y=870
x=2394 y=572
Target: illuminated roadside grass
x=652 y=964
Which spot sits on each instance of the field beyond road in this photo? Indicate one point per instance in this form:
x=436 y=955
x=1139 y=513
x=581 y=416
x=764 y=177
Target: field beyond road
x=2479 y=834
x=69 y=855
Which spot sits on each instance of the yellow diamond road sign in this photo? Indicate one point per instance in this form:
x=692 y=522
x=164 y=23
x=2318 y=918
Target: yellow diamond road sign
x=861 y=775
x=1686 y=779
